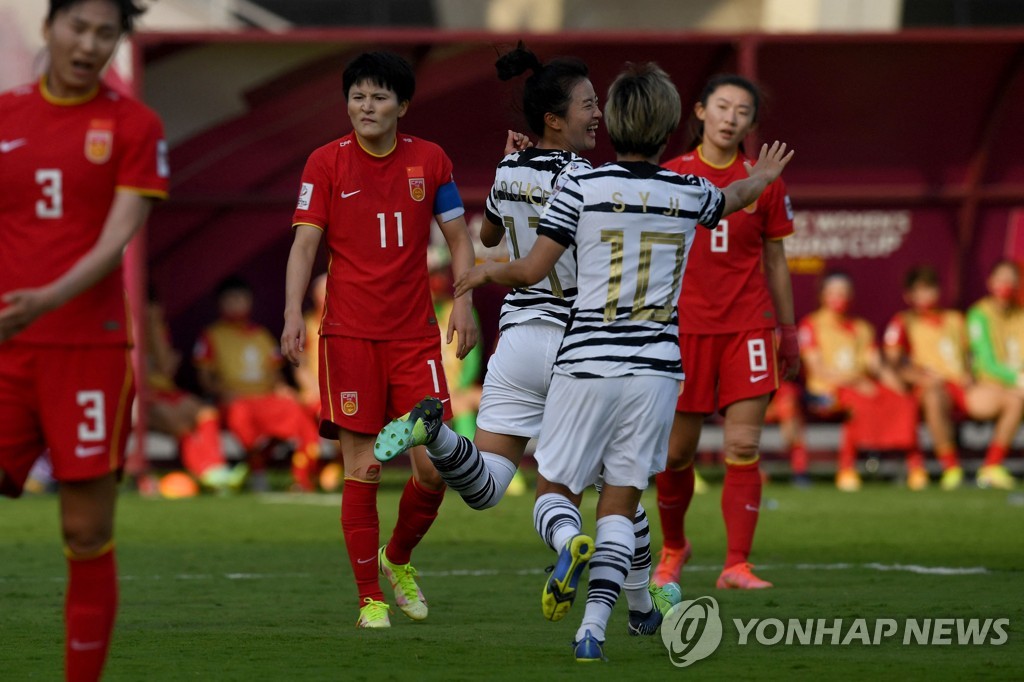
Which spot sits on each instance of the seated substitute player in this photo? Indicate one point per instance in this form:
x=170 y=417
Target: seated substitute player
x=995 y=326
x=372 y=195
x=847 y=378
x=561 y=107
x=617 y=372
x=928 y=346
x=175 y=412
x=238 y=363
x=79 y=169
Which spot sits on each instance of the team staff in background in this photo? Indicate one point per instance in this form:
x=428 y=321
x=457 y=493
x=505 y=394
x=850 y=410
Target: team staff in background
x=80 y=166
x=995 y=327
x=372 y=195
x=737 y=294
x=617 y=372
x=928 y=346
x=561 y=107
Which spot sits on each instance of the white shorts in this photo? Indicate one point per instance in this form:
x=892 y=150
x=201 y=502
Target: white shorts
x=616 y=428
x=518 y=376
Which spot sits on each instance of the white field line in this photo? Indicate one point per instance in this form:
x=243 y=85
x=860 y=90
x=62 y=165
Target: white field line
x=490 y=573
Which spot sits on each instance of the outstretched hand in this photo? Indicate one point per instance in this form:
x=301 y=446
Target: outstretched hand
x=771 y=161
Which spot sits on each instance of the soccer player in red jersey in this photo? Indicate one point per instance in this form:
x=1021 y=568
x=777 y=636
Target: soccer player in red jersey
x=737 y=292
x=372 y=194
x=80 y=165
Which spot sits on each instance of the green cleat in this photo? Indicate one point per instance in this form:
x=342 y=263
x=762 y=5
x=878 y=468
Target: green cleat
x=403 y=580
x=373 y=615
x=666 y=596
x=419 y=426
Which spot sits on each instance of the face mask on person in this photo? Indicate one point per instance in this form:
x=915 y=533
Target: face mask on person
x=1004 y=293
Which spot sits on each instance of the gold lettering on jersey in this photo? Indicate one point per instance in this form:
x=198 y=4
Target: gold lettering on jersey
x=644 y=196
x=530 y=193
x=619 y=206
x=673 y=207
x=99 y=140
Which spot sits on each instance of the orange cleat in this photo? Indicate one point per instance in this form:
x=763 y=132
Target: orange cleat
x=670 y=564
x=848 y=480
x=917 y=478
x=740 y=577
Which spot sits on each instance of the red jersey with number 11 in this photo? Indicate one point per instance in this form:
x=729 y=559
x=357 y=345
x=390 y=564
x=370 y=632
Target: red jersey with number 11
x=61 y=162
x=725 y=289
x=376 y=212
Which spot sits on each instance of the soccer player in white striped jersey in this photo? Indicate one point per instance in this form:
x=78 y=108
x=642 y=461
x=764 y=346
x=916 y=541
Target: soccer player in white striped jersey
x=616 y=376
x=561 y=107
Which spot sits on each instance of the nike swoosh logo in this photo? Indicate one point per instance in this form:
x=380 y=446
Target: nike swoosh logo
x=750 y=507
x=758 y=377
x=11 y=145
x=82 y=451
x=85 y=646
x=366 y=561
x=346 y=195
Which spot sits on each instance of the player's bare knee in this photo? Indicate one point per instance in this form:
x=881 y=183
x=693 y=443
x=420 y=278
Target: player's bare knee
x=86 y=539
x=368 y=472
x=742 y=443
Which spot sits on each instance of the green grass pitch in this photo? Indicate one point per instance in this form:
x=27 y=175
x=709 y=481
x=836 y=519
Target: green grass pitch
x=259 y=588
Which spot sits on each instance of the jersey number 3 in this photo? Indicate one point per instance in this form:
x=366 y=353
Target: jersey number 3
x=51 y=183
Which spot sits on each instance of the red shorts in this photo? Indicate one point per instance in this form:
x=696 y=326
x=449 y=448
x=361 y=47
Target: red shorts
x=364 y=384
x=278 y=416
x=722 y=369
x=75 y=401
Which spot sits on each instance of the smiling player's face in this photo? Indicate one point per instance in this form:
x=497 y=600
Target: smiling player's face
x=374 y=111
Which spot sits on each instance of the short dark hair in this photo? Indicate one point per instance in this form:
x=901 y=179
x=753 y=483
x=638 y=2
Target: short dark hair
x=920 y=274
x=129 y=10
x=233 y=283
x=385 y=69
x=548 y=88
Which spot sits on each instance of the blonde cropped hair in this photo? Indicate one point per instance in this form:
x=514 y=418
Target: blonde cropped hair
x=643 y=109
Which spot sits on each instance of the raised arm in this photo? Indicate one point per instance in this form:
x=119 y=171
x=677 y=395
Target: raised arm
x=769 y=166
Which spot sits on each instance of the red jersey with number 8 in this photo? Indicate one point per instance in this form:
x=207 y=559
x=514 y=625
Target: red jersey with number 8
x=725 y=290
x=61 y=162
x=376 y=213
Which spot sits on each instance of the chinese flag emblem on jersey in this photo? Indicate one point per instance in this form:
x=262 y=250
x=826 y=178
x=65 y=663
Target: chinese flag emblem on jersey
x=349 y=403
x=99 y=140
x=417 y=183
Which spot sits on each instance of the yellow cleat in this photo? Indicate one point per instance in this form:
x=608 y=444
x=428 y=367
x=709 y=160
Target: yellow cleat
x=403 y=580
x=373 y=615
x=995 y=476
x=700 y=486
x=952 y=478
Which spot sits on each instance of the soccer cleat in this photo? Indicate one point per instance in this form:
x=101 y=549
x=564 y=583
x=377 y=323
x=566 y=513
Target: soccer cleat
x=700 y=486
x=848 y=480
x=589 y=649
x=740 y=577
x=560 y=588
x=670 y=564
x=418 y=426
x=518 y=486
x=995 y=476
x=917 y=478
x=403 y=580
x=952 y=478
x=374 y=615
x=664 y=598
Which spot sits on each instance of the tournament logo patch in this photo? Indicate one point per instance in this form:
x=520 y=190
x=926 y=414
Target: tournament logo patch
x=417 y=183
x=99 y=140
x=349 y=403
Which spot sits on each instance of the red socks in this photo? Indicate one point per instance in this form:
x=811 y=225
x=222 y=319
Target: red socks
x=89 y=610
x=995 y=455
x=416 y=513
x=675 y=491
x=847 y=448
x=201 y=449
x=798 y=459
x=741 y=505
x=361 y=527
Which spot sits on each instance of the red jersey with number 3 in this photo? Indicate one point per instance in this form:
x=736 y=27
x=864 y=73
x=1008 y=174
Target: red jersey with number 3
x=61 y=162
x=725 y=290
x=376 y=212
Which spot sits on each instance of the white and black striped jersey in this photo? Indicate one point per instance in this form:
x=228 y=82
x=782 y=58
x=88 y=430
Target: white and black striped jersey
x=632 y=224
x=522 y=185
